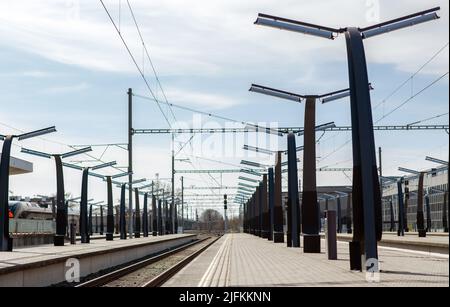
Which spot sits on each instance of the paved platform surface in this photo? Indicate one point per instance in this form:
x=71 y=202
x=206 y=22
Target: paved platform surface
x=46 y=254
x=240 y=260
x=436 y=243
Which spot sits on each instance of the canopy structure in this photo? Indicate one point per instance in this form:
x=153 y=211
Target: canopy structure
x=19 y=166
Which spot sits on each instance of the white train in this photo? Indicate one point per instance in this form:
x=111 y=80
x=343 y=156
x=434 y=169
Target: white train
x=33 y=211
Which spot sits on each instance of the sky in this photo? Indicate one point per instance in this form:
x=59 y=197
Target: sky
x=62 y=63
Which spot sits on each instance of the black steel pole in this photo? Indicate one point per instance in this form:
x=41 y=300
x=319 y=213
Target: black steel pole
x=401 y=209
x=160 y=218
x=265 y=234
x=293 y=200
x=123 y=218
x=278 y=229
x=101 y=221
x=61 y=206
x=6 y=242
x=391 y=205
x=310 y=226
x=91 y=229
x=145 y=216
x=366 y=185
x=406 y=206
x=84 y=220
x=137 y=216
x=166 y=218
x=96 y=223
x=420 y=213
x=130 y=162
x=110 y=211
x=271 y=179
x=428 y=206
x=349 y=214
x=155 y=215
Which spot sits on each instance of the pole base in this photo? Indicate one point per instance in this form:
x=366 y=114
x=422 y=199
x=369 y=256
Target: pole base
x=264 y=234
x=137 y=235
x=311 y=244
x=59 y=240
x=422 y=233
x=155 y=234
x=109 y=237
x=355 y=256
x=278 y=237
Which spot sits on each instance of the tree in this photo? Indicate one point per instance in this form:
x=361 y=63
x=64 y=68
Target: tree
x=211 y=221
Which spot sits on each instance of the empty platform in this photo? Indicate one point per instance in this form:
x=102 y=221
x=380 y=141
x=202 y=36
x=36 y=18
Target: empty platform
x=46 y=265
x=240 y=260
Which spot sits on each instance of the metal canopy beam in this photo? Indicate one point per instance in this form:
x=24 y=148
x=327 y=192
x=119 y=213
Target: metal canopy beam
x=289 y=129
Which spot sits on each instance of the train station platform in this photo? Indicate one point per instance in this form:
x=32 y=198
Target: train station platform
x=240 y=260
x=433 y=243
x=45 y=265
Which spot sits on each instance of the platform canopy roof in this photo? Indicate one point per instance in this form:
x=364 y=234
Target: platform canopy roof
x=19 y=166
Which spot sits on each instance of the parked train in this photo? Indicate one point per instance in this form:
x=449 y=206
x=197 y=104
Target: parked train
x=34 y=211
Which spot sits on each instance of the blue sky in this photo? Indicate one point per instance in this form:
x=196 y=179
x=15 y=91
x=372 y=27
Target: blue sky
x=62 y=64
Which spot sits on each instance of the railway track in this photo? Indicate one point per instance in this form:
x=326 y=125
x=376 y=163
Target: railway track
x=154 y=271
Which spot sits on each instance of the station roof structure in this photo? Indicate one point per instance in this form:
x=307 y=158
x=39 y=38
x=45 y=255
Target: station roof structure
x=19 y=166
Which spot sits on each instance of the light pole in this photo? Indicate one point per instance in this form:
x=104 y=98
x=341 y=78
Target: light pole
x=61 y=211
x=6 y=242
x=310 y=225
x=366 y=189
x=84 y=222
x=110 y=208
x=420 y=199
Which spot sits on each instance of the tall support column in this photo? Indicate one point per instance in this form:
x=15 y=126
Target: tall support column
x=122 y=217
x=6 y=242
x=258 y=212
x=339 y=215
x=167 y=218
x=96 y=224
x=84 y=220
x=173 y=207
x=391 y=206
x=170 y=217
x=160 y=218
x=401 y=209
x=182 y=204
x=366 y=186
x=102 y=226
x=145 y=216
x=428 y=208
x=420 y=213
x=265 y=207
x=130 y=162
x=271 y=203
x=278 y=230
x=61 y=206
x=293 y=201
x=110 y=211
x=155 y=215
x=406 y=206
x=91 y=224
x=137 y=216
x=310 y=226
x=349 y=214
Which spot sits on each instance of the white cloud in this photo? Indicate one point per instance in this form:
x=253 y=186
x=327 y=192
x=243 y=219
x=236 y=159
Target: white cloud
x=206 y=37
x=67 y=89
x=200 y=99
